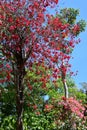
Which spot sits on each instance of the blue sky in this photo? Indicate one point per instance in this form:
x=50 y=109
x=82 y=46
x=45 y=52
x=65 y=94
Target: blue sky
x=80 y=52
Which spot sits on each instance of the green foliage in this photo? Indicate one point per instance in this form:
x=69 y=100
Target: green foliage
x=7 y=100
x=38 y=122
x=82 y=24
x=75 y=92
x=70 y=15
x=41 y=118
x=8 y=123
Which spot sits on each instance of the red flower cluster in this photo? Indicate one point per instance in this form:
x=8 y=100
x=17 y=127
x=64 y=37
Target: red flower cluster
x=71 y=104
x=27 y=30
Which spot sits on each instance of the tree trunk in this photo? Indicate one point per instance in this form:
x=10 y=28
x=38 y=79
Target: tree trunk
x=63 y=76
x=19 y=82
x=65 y=88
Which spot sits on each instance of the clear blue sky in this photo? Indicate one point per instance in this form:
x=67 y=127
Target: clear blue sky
x=80 y=53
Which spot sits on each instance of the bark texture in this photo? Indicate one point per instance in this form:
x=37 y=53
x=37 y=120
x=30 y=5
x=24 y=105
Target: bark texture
x=19 y=73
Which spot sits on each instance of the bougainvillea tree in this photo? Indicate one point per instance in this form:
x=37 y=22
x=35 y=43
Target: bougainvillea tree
x=28 y=35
